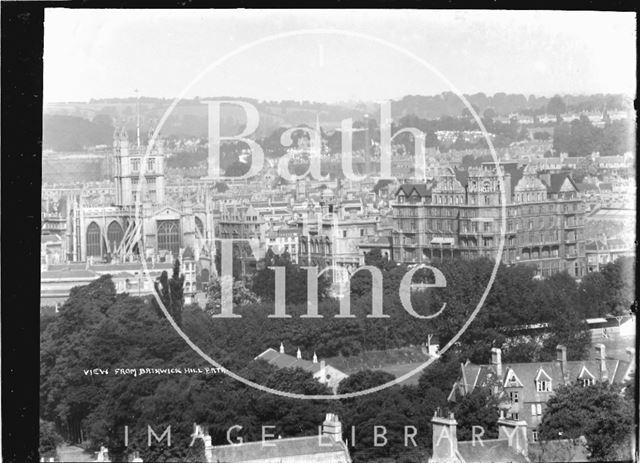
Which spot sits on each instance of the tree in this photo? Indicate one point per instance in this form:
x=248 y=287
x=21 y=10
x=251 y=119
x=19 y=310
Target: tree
x=241 y=295
x=171 y=293
x=489 y=113
x=237 y=169
x=363 y=380
x=50 y=439
x=480 y=408
x=556 y=106
x=598 y=412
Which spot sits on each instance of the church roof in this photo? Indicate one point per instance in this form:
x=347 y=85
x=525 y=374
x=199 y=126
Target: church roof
x=282 y=448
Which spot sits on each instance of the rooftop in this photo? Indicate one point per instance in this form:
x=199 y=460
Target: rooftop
x=277 y=448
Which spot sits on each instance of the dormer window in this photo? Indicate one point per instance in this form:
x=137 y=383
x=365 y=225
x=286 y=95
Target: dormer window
x=543 y=386
x=543 y=382
x=585 y=378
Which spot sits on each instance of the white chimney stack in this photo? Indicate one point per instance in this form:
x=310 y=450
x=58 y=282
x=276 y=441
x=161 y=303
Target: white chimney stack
x=315 y=358
x=332 y=427
x=299 y=354
x=281 y=348
x=496 y=360
x=602 y=356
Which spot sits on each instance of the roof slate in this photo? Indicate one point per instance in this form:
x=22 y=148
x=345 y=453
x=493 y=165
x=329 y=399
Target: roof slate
x=278 y=448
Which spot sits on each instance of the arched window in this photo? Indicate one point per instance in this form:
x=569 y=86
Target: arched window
x=204 y=275
x=114 y=235
x=169 y=236
x=93 y=240
x=200 y=226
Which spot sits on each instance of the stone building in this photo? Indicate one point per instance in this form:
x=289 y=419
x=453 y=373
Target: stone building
x=459 y=214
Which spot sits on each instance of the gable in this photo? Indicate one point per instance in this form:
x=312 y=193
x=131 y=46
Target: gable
x=512 y=380
x=167 y=213
x=585 y=374
x=567 y=185
x=542 y=375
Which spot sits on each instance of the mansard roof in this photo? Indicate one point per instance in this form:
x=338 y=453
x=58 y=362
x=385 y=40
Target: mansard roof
x=420 y=188
x=557 y=180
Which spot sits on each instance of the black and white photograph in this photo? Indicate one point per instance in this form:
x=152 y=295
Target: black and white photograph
x=337 y=236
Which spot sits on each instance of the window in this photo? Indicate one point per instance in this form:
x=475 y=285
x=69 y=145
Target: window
x=114 y=235
x=93 y=240
x=514 y=396
x=585 y=382
x=543 y=386
x=534 y=436
x=515 y=416
x=536 y=409
x=199 y=226
x=487 y=226
x=135 y=165
x=150 y=165
x=169 y=236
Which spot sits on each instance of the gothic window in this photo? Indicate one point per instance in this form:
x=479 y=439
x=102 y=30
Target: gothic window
x=169 y=236
x=135 y=165
x=114 y=235
x=200 y=226
x=150 y=165
x=93 y=240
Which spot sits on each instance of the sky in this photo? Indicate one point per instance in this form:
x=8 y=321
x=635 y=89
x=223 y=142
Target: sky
x=96 y=54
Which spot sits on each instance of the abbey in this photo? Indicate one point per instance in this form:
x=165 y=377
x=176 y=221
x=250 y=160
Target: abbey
x=111 y=229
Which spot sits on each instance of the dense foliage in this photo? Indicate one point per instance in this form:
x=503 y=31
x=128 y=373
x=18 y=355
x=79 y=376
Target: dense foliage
x=598 y=412
x=97 y=328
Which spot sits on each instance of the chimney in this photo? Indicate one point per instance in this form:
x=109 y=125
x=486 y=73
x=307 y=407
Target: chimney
x=602 y=356
x=315 y=358
x=445 y=440
x=496 y=360
x=507 y=187
x=332 y=427
x=281 y=348
x=299 y=354
x=515 y=432
x=561 y=356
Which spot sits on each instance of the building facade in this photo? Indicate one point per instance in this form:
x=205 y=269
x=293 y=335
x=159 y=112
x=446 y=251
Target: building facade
x=459 y=214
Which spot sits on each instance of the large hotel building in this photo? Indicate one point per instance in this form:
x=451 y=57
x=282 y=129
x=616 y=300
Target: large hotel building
x=458 y=214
